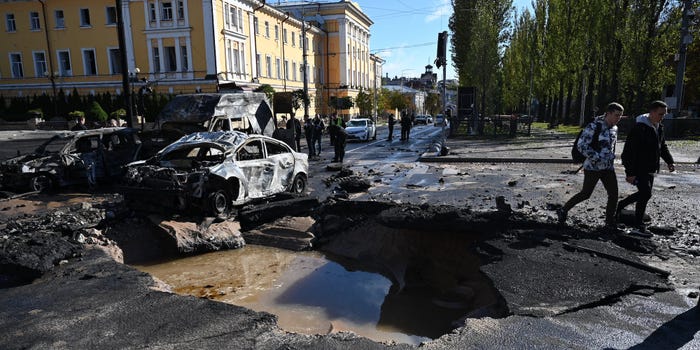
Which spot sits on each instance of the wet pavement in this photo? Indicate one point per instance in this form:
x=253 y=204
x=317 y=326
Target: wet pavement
x=599 y=303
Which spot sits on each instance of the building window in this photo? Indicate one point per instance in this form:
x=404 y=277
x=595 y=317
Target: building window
x=258 y=64
x=84 y=17
x=256 y=26
x=294 y=41
x=185 y=58
x=268 y=66
x=267 y=29
x=60 y=19
x=166 y=13
x=40 y=64
x=64 y=66
x=294 y=71
x=156 y=60
x=115 y=61
x=111 y=13
x=170 y=59
x=152 y=12
x=10 y=22
x=279 y=68
x=284 y=35
x=180 y=9
x=34 y=21
x=16 y=65
x=286 y=69
x=89 y=62
x=236 y=60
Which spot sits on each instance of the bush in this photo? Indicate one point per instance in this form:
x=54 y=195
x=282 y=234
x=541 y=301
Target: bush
x=35 y=113
x=76 y=114
x=96 y=113
x=118 y=114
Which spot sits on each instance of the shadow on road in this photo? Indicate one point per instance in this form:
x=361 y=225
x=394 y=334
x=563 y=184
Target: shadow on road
x=673 y=334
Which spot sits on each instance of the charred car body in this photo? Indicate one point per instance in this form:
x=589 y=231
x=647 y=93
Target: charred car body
x=214 y=171
x=70 y=158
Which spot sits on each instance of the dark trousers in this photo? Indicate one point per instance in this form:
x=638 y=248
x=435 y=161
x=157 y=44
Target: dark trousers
x=391 y=132
x=332 y=136
x=590 y=179
x=310 y=144
x=317 y=145
x=405 y=132
x=645 y=182
x=339 y=150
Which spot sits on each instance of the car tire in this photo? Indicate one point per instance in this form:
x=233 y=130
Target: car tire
x=298 y=184
x=41 y=183
x=219 y=204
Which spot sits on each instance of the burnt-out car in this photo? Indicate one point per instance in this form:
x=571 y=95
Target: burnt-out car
x=73 y=158
x=215 y=171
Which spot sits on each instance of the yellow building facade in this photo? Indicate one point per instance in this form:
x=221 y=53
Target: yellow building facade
x=187 y=46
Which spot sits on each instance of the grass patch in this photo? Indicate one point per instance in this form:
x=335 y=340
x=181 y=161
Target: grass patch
x=567 y=129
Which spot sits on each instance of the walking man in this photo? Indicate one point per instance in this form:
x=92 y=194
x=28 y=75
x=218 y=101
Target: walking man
x=644 y=146
x=391 y=123
x=309 y=134
x=597 y=143
x=318 y=134
x=340 y=139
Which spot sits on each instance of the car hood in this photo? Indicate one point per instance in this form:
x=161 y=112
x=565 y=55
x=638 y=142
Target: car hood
x=351 y=129
x=30 y=163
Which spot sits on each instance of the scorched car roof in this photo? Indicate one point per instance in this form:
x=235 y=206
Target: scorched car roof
x=224 y=139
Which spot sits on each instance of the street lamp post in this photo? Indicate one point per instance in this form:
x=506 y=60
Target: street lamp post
x=582 y=117
x=133 y=78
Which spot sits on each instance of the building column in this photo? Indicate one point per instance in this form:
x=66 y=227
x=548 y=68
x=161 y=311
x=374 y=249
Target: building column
x=209 y=23
x=343 y=46
x=254 y=67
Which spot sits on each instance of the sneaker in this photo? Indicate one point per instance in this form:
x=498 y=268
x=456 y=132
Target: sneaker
x=561 y=216
x=641 y=231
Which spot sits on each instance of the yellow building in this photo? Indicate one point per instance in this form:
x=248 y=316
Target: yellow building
x=187 y=46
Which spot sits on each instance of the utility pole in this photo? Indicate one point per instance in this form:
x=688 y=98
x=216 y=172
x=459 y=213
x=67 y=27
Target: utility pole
x=123 y=65
x=686 y=39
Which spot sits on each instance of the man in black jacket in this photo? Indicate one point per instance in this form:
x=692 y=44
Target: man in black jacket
x=644 y=146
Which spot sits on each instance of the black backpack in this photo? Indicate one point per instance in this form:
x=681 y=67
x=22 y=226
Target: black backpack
x=576 y=155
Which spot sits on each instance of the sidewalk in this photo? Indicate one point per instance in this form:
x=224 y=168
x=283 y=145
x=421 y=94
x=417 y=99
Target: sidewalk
x=543 y=146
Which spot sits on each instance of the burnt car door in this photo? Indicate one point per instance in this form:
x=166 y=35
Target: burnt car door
x=283 y=159
x=119 y=148
x=83 y=159
x=258 y=170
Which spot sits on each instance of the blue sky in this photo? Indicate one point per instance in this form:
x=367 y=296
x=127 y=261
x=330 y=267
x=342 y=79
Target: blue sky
x=405 y=33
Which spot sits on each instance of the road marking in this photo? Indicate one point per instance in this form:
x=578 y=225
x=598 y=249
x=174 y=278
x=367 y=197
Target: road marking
x=416 y=134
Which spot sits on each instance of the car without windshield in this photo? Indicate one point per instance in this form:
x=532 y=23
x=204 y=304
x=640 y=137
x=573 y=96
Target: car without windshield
x=73 y=158
x=215 y=171
x=361 y=129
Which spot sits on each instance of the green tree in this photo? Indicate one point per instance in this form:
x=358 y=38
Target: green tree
x=299 y=98
x=433 y=105
x=364 y=102
x=267 y=89
x=397 y=100
x=341 y=103
x=96 y=113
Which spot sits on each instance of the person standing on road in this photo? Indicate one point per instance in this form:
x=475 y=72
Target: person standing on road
x=309 y=134
x=644 y=146
x=405 y=127
x=318 y=134
x=599 y=163
x=391 y=123
x=331 y=130
x=340 y=140
x=294 y=124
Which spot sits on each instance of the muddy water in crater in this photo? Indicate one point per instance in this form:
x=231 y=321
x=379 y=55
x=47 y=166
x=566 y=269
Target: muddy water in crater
x=309 y=293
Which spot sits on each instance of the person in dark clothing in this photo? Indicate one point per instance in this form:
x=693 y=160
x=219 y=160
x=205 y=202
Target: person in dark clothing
x=331 y=130
x=599 y=163
x=391 y=123
x=340 y=139
x=79 y=124
x=644 y=146
x=405 y=127
x=297 y=131
x=309 y=134
x=318 y=134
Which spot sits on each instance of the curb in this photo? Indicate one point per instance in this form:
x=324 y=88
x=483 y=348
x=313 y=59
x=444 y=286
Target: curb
x=447 y=159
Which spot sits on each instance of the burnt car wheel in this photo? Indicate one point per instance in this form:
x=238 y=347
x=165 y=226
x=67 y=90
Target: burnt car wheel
x=219 y=204
x=299 y=184
x=40 y=183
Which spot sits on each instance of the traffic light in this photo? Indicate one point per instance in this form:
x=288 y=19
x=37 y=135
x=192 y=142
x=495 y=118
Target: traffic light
x=441 y=49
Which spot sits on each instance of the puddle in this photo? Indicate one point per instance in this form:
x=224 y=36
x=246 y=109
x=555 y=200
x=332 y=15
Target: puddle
x=312 y=294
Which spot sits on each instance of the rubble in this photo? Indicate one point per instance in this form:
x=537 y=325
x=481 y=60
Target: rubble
x=198 y=237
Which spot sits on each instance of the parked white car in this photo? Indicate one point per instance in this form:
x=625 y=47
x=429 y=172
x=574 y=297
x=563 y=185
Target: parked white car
x=361 y=129
x=423 y=119
x=214 y=171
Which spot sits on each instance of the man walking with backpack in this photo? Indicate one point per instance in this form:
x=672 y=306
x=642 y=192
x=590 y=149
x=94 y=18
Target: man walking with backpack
x=644 y=146
x=597 y=144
